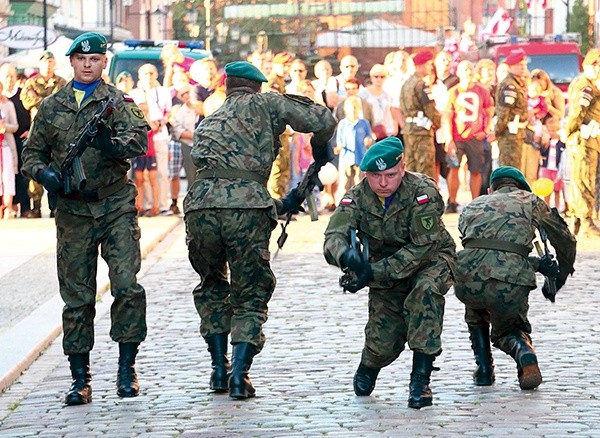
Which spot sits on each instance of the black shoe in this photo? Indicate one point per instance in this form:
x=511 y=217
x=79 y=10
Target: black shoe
x=127 y=381
x=80 y=392
x=452 y=207
x=364 y=380
x=518 y=345
x=217 y=347
x=240 y=385
x=32 y=214
x=420 y=394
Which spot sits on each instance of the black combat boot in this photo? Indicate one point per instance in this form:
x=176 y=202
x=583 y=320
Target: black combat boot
x=127 y=381
x=521 y=350
x=480 y=342
x=80 y=392
x=364 y=379
x=240 y=385
x=419 y=394
x=217 y=347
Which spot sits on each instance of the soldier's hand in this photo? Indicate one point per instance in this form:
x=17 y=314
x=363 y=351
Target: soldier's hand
x=103 y=141
x=50 y=179
x=548 y=266
x=291 y=203
x=362 y=279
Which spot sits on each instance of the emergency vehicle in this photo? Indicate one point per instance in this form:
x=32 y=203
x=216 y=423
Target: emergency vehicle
x=557 y=55
x=135 y=53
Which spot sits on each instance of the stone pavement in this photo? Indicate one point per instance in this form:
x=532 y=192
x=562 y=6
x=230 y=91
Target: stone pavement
x=304 y=374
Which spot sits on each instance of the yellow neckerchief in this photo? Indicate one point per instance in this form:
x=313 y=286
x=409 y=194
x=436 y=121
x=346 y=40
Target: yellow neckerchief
x=79 y=95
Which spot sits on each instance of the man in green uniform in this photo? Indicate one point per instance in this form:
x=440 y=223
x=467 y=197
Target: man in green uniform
x=409 y=269
x=33 y=92
x=229 y=215
x=511 y=111
x=582 y=126
x=101 y=216
x=496 y=273
x=420 y=117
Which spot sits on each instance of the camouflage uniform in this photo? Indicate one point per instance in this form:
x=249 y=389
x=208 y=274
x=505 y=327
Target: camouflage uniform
x=511 y=101
x=419 y=142
x=229 y=218
x=494 y=284
x=82 y=226
x=33 y=92
x=412 y=256
x=582 y=152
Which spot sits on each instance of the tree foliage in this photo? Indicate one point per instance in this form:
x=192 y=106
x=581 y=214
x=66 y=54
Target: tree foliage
x=579 y=21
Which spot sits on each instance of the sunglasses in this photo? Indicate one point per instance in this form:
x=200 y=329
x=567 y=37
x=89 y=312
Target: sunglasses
x=378 y=76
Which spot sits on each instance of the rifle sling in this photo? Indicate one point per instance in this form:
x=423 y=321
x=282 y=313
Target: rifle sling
x=232 y=174
x=97 y=195
x=498 y=245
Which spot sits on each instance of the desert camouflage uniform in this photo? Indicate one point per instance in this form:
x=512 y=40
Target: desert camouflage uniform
x=419 y=146
x=82 y=226
x=511 y=100
x=33 y=92
x=412 y=256
x=229 y=218
x=582 y=152
x=494 y=285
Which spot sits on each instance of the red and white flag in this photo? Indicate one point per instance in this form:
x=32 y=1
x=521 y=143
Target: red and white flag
x=533 y=3
x=499 y=24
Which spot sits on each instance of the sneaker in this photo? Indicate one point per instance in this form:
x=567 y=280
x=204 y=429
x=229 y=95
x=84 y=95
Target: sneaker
x=166 y=213
x=452 y=207
x=32 y=214
x=174 y=209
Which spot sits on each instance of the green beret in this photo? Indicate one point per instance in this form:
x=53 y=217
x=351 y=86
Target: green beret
x=512 y=173
x=89 y=42
x=47 y=54
x=243 y=69
x=382 y=155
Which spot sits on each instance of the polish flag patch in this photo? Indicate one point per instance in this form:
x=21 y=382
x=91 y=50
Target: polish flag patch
x=346 y=201
x=422 y=199
x=127 y=98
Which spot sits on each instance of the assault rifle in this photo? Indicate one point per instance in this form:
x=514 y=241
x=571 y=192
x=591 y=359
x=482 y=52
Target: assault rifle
x=305 y=192
x=550 y=282
x=71 y=167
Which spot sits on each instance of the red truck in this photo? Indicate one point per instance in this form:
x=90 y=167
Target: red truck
x=557 y=55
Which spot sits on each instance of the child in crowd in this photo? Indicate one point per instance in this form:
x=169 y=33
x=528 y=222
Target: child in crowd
x=552 y=152
x=353 y=137
x=147 y=163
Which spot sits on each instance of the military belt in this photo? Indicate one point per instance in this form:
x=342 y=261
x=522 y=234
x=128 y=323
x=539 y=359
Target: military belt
x=232 y=173
x=96 y=195
x=498 y=245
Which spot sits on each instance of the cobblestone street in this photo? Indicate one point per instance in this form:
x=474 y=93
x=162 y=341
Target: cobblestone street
x=303 y=377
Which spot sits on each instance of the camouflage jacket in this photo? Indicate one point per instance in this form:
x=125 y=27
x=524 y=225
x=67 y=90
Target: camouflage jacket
x=510 y=215
x=416 y=97
x=511 y=100
x=402 y=239
x=59 y=122
x=37 y=89
x=586 y=96
x=243 y=135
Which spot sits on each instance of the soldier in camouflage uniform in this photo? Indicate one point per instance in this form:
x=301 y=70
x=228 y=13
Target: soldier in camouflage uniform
x=582 y=127
x=420 y=117
x=496 y=273
x=229 y=215
x=409 y=270
x=33 y=92
x=103 y=215
x=511 y=111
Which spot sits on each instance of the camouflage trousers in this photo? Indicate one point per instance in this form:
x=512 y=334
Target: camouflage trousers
x=281 y=172
x=412 y=312
x=503 y=305
x=511 y=150
x=238 y=240
x=419 y=152
x=117 y=235
x=583 y=165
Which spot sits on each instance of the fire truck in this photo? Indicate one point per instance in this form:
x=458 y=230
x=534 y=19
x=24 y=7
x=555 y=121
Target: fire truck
x=557 y=55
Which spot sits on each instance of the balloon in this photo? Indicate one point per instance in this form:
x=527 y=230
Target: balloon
x=328 y=174
x=542 y=187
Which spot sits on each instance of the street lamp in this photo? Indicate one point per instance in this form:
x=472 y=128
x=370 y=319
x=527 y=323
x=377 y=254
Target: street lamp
x=207 y=32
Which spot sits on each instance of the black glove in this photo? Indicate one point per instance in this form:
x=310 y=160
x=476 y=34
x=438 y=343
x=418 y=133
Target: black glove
x=50 y=179
x=546 y=291
x=352 y=260
x=291 y=203
x=103 y=141
x=362 y=279
x=548 y=266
